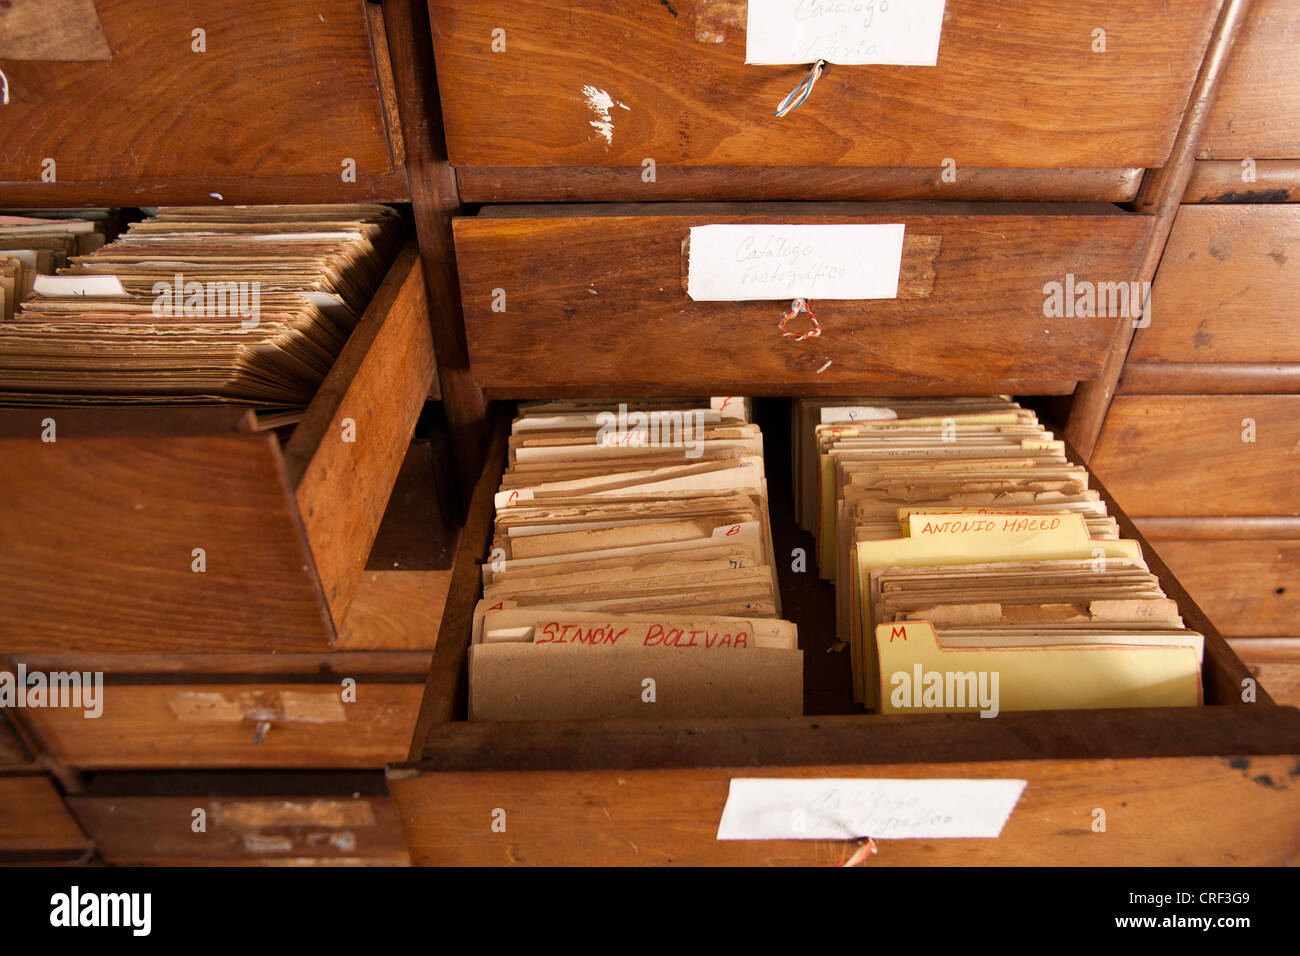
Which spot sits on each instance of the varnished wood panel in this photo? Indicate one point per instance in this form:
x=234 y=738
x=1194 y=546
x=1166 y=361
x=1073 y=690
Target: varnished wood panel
x=1276 y=180
x=388 y=187
x=1185 y=454
x=216 y=725
x=1159 y=811
x=1224 y=286
x=12 y=751
x=344 y=456
x=1161 y=191
x=34 y=819
x=1258 y=112
x=753 y=183
x=100 y=554
x=1015 y=85
x=284 y=88
x=434 y=201
x=1248 y=587
x=1210 y=378
x=381 y=666
x=594 y=297
x=292 y=828
x=395 y=610
x=1276 y=663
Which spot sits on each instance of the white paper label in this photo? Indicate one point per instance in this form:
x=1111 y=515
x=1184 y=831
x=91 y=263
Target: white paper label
x=838 y=414
x=854 y=32
x=845 y=809
x=737 y=263
x=93 y=285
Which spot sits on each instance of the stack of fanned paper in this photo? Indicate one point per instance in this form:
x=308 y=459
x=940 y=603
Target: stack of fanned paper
x=38 y=243
x=974 y=567
x=631 y=571
x=246 y=304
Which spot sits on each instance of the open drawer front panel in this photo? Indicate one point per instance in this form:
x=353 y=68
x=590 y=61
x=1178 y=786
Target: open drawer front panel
x=1217 y=784
x=579 y=299
x=101 y=549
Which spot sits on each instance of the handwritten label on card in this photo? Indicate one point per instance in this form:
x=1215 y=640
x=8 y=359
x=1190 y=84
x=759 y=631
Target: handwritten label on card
x=854 y=32
x=740 y=263
x=846 y=809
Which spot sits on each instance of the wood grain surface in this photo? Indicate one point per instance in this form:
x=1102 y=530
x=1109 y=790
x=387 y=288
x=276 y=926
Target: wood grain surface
x=1184 y=454
x=284 y=88
x=1223 y=287
x=1276 y=180
x=776 y=183
x=1258 y=112
x=1159 y=811
x=100 y=553
x=1159 y=196
x=215 y=726
x=35 y=820
x=1015 y=85
x=395 y=610
x=286 y=829
x=1275 y=661
x=1248 y=587
x=594 y=298
x=342 y=476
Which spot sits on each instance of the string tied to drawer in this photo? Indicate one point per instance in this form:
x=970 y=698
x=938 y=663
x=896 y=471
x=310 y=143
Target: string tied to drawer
x=796 y=97
x=804 y=306
x=866 y=848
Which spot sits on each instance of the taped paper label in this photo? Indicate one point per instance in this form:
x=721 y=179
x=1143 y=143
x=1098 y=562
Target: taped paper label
x=741 y=263
x=852 y=32
x=847 y=809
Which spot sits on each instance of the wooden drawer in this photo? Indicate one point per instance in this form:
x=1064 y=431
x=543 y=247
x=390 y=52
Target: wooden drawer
x=1185 y=454
x=1257 y=112
x=1275 y=662
x=101 y=554
x=1249 y=586
x=594 y=299
x=12 y=752
x=682 y=95
x=630 y=792
x=1221 y=294
x=35 y=825
x=279 y=819
x=113 y=91
x=235 y=711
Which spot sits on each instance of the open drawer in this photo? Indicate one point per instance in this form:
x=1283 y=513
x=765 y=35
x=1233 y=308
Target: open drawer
x=1216 y=784
x=112 y=521
x=583 y=299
